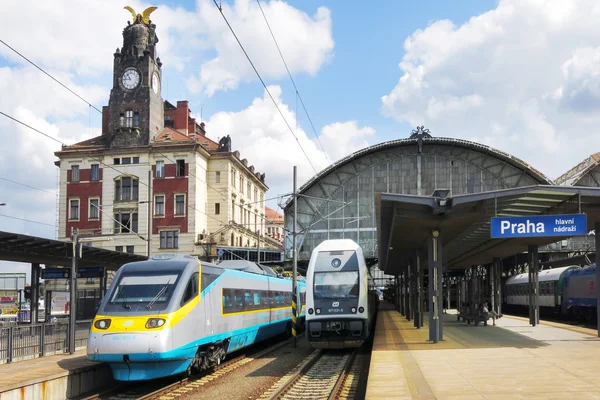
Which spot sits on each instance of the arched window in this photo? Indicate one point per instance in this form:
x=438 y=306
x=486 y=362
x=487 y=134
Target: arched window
x=126 y=188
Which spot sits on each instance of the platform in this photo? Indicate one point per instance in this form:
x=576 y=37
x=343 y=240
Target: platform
x=511 y=360
x=52 y=377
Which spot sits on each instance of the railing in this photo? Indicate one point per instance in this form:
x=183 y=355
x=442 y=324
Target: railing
x=24 y=342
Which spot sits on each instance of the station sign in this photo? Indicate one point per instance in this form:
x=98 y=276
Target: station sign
x=90 y=272
x=539 y=226
x=56 y=273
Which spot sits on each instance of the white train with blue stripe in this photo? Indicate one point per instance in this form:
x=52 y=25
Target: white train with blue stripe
x=340 y=304
x=173 y=314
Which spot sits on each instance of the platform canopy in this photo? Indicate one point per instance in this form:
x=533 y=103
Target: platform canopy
x=32 y=249
x=405 y=221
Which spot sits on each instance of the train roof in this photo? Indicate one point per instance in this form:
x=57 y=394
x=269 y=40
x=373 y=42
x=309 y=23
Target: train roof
x=587 y=270
x=337 y=244
x=552 y=274
x=246 y=266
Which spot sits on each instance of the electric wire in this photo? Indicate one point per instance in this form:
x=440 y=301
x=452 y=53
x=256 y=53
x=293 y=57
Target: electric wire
x=265 y=86
x=50 y=76
x=293 y=82
x=27 y=220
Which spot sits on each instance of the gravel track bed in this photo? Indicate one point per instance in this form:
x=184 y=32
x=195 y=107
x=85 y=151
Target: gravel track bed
x=253 y=379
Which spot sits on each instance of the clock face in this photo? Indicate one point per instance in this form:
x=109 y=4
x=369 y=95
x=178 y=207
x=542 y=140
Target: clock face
x=155 y=82
x=130 y=79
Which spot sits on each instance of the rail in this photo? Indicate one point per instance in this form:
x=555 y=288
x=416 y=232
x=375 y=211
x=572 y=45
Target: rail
x=23 y=342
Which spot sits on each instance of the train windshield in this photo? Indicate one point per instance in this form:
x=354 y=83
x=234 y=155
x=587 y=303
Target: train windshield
x=144 y=290
x=336 y=285
x=336 y=275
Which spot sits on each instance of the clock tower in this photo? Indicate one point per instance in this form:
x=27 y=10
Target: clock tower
x=136 y=112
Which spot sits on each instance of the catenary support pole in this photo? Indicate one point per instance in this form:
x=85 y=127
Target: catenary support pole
x=295 y=263
x=73 y=289
x=150 y=204
x=35 y=293
x=597 y=237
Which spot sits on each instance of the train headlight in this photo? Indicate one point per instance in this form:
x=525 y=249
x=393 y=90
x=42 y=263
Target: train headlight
x=102 y=324
x=353 y=309
x=310 y=311
x=361 y=309
x=318 y=311
x=155 y=323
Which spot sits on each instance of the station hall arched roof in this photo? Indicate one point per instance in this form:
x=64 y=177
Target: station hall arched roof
x=450 y=142
x=482 y=168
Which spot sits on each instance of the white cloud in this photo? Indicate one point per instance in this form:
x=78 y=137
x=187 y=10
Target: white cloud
x=523 y=77
x=261 y=135
x=306 y=43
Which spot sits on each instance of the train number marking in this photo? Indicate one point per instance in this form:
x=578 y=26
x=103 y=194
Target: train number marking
x=124 y=337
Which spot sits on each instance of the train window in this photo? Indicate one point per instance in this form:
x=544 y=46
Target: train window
x=238 y=300
x=288 y=298
x=248 y=300
x=191 y=290
x=271 y=298
x=227 y=304
x=303 y=298
x=257 y=301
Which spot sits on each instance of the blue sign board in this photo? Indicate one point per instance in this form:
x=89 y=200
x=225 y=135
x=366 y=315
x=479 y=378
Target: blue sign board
x=220 y=252
x=91 y=272
x=542 y=225
x=56 y=273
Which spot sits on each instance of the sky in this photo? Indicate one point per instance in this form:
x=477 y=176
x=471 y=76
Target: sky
x=522 y=76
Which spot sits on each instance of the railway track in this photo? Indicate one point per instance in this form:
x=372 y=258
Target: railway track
x=173 y=388
x=325 y=374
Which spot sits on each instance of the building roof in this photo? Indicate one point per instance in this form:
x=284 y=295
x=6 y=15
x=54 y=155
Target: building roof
x=574 y=175
x=273 y=216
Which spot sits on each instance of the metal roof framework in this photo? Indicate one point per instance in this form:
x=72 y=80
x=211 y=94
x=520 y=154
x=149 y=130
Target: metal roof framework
x=404 y=222
x=32 y=249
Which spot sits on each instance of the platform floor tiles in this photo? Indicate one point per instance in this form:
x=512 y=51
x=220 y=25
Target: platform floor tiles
x=511 y=360
x=23 y=373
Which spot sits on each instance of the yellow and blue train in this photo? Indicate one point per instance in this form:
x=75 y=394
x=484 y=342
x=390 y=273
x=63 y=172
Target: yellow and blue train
x=174 y=314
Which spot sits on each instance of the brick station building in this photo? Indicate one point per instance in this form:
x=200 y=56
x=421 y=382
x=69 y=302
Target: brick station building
x=155 y=173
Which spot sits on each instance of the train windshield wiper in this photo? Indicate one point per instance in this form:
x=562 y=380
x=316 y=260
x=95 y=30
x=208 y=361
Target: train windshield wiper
x=160 y=293
x=124 y=304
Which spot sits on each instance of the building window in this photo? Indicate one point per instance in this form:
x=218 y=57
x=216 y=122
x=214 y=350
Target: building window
x=136 y=160
x=116 y=161
x=249 y=190
x=179 y=204
x=130 y=249
x=95 y=172
x=255 y=194
x=159 y=205
x=233 y=210
x=127 y=119
x=126 y=222
x=241 y=184
x=136 y=119
x=262 y=200
x=75 y=173
x=233 y=177
x=74 y=210
x=218 y=177
x=126 y=189
x=169 y=239
x=126 y=160
x=160 y=169
x=119 y=248
x=217 y=208
x=180 y=167
x=94 y=209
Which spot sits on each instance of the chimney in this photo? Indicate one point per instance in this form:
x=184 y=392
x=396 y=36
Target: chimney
x=182 y=115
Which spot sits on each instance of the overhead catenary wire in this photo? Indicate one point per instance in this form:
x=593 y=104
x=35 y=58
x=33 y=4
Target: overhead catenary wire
x=27 y=220
x=265 y=86
x=293 y=82
x=50 y=76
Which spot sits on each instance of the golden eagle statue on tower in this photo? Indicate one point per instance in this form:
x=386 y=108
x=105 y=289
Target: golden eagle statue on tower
x=143 y=17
